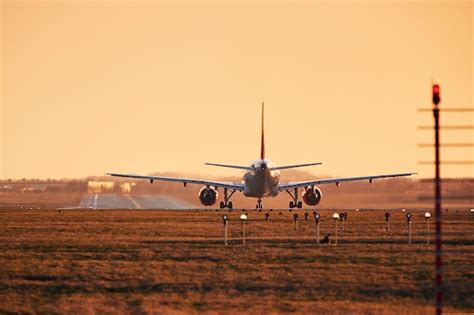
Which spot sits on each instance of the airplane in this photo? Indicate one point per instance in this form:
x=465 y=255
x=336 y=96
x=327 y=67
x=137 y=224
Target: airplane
x=261 y=179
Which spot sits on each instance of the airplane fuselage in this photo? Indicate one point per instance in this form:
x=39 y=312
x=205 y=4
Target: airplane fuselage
x=262 y=181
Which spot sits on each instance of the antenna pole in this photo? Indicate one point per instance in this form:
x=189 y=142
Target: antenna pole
x=262 y=144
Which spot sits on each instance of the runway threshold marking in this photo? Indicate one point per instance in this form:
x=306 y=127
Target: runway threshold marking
x=135 y=203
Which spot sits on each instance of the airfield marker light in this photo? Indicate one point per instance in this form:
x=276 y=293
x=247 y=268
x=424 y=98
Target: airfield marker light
x=436 y=96
x=335 y=216
x=306 y=216
x=224 y=219
x=243 y=218
x=427 y=217
x=267 y=216
x=387 y=218
x=409 y=217
x=317 y=217
x=316 y=220
x=341 y=218
x=471 y=211
x=295 y=217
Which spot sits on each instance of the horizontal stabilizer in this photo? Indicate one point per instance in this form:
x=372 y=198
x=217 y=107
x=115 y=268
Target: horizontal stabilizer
x=284 y=167
x=247 y=168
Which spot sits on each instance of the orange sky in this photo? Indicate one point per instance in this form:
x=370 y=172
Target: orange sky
x=95 y=86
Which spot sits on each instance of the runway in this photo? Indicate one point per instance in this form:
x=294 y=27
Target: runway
x=117 y=201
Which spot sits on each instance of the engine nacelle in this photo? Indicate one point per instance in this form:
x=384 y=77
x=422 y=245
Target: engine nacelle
x=312 y=196
x=208 y=196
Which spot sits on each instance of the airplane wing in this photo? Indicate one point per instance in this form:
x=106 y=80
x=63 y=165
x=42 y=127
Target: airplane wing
x=229 y=185
x=337 y=181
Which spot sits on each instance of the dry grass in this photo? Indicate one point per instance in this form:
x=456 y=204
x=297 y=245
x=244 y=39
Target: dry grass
x=174 y=261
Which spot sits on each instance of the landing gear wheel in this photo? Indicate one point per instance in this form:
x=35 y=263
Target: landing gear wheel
x=300 y=204
x=227 y=203
x=292 y=204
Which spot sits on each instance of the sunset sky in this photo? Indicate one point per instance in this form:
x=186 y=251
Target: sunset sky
x=89 y=87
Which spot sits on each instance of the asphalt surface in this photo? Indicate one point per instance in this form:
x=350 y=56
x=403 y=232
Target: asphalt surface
x=116 y=201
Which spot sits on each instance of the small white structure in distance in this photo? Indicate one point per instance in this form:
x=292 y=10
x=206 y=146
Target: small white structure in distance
x=243 y=217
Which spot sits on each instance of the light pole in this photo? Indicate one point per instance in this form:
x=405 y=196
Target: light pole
x=387 y=217
x=335 y=216
x=224 y=218
x=316 y=220
x=408 y=217
x=427 y=217
x=342 y=217
x=243 y=218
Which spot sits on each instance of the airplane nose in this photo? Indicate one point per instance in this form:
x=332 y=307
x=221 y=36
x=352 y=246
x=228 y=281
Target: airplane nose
x=263 y=166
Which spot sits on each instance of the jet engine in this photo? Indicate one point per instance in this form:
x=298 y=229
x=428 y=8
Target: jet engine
x=312 y=196
x=208 y=196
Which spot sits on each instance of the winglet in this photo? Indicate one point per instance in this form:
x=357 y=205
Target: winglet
x=262 y=144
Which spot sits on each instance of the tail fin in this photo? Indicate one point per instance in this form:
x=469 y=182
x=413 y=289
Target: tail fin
x=262 y=144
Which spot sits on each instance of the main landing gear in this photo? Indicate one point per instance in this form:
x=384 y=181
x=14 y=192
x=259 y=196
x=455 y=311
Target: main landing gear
x=259 y=204
x=295 y=203
x=226 y=203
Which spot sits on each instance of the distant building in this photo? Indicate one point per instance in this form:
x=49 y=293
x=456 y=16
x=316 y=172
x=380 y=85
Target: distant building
x=6 y=188
x=95 y=187
x=27 y=190
x=126 y=188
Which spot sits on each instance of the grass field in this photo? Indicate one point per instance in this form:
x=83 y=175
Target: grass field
x=82 y=261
